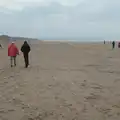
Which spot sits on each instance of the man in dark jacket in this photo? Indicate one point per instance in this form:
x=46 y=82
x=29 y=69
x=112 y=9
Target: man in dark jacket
x=113 y=44
x=26 y=49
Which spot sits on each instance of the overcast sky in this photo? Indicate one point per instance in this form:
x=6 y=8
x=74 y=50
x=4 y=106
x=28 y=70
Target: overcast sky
x=60 y=18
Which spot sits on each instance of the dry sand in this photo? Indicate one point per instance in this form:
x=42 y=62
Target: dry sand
x=64 y=82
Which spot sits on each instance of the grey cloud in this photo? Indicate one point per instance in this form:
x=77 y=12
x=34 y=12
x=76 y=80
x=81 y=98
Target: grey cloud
x=90 y=18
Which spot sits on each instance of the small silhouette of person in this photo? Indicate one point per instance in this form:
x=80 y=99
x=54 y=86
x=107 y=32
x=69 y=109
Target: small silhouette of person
x=104 y=41
x=26 y=49
x=113 y=44
x=119 y=45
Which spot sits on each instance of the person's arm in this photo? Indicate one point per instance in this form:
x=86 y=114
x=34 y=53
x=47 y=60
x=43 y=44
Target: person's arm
x=22 y=48
x=9 y=46
x=17 y=50
x=29 y=48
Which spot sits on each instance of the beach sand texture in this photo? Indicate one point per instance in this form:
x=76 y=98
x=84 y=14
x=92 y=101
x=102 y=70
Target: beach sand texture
x=65 y=81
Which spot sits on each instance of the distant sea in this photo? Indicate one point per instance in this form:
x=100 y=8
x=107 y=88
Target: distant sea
x=83 y=40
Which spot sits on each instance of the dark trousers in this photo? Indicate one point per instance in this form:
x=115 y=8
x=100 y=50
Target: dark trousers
x=113 y=46
x=26 y=59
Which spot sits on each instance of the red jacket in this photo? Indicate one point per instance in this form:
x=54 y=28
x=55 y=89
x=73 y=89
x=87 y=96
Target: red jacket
x=12 y=50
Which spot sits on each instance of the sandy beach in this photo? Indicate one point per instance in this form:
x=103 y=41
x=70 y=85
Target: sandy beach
x=65 y=81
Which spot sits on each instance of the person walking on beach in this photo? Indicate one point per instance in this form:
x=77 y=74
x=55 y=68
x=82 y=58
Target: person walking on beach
x=26 y=49
x=12 y=53
x=104 y=41
x=113 y=44
x=0 y=46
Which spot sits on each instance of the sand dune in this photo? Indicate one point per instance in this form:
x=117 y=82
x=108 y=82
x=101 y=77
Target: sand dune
x=65 y=81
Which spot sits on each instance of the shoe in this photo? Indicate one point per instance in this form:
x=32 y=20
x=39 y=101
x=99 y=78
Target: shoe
x=11 y=65
x=26 y=66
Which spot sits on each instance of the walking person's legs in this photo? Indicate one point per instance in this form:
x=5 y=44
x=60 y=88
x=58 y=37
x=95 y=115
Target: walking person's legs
x=11 y=61
x=112 y=46
x=14 y=60
x=26 y=60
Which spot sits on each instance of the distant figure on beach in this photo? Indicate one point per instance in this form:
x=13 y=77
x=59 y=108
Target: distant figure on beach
x=119 y=45
x=113 y=44
x=104 y=41
x=0 y=46
x=13 y=52
x=26 y=49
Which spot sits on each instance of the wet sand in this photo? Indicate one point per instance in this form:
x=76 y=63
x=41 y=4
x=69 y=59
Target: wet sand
x=65 y=81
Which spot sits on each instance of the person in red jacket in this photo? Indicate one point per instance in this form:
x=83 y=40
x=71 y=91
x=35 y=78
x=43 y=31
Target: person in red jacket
x=12 y=53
